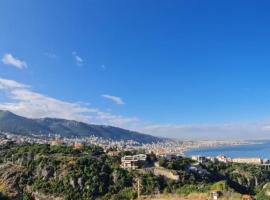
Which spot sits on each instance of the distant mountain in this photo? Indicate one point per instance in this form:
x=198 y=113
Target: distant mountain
x=10 y=122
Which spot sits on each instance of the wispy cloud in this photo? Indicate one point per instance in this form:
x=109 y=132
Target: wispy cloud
x=22 y=100
x=79 y=61
x=6 y=84
x=9 y=59
x=114 y=99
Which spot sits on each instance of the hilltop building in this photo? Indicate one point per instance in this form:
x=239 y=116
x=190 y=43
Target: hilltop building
x=129 y=162
x=200 y=159
x=224 y=159
x=141 y=157
x=132 y=162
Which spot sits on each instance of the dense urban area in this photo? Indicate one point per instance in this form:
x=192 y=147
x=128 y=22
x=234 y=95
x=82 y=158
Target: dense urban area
x=53 y=167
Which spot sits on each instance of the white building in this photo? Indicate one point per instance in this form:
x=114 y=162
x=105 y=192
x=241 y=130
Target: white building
x=254 y=160
x=224 y=159
x=200 y=159
x=129 y=162
x=132 y=162
x=140 y=157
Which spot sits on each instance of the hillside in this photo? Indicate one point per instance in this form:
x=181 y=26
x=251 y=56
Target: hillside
x=60 y=172
x=9 y=122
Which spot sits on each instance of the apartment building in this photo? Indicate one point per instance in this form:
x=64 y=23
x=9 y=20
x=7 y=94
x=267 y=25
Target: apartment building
x=132 y=162
x=251 y=160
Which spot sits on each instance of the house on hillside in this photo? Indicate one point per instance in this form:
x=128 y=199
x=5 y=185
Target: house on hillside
x=224 y=159
x=141 y=157
x=129 y=162
x=199 y=159
x=133 y=162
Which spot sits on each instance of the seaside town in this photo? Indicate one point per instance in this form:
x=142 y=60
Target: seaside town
x=166 y=151
x=164 y=148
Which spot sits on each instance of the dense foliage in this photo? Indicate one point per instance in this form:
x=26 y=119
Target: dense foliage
x=89 y=173
x=67 y=172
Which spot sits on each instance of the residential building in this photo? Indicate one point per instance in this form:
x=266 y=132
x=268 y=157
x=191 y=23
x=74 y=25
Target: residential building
x=200 y=159
x=254 y=160
x=133 y=162
x=129 y=162
x=141 y=157
x=224 y=159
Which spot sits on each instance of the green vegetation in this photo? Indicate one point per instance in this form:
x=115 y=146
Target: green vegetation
x=89 y=173
x=220 y=186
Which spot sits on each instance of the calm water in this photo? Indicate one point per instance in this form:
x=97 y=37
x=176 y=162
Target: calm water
x=260 y=149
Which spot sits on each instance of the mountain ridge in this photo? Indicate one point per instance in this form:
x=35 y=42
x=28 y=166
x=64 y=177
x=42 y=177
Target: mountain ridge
x=10 y=122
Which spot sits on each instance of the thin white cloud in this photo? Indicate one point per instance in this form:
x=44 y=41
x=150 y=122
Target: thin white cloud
x=11 y=84
x=79 y=61
x=114 y=99
x=21 y=100
x=9 y=59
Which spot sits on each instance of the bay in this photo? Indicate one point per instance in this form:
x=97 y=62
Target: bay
x=255 y=149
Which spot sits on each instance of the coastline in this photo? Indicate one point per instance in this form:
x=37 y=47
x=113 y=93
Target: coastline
x=216 y=144
x=247 y=149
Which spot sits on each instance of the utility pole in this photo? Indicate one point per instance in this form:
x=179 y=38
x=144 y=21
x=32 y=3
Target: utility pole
x=138 y=189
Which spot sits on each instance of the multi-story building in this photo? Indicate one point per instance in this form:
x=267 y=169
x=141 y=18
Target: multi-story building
x=129 y=162
x=133 y=162
x=224 y=159
x=254 y=160
x=200 y=159
x=141 y=157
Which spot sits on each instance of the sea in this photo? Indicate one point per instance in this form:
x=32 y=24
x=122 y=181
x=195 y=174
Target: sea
x=253 y=149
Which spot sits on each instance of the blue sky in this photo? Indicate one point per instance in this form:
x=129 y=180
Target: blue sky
x=186 y=69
